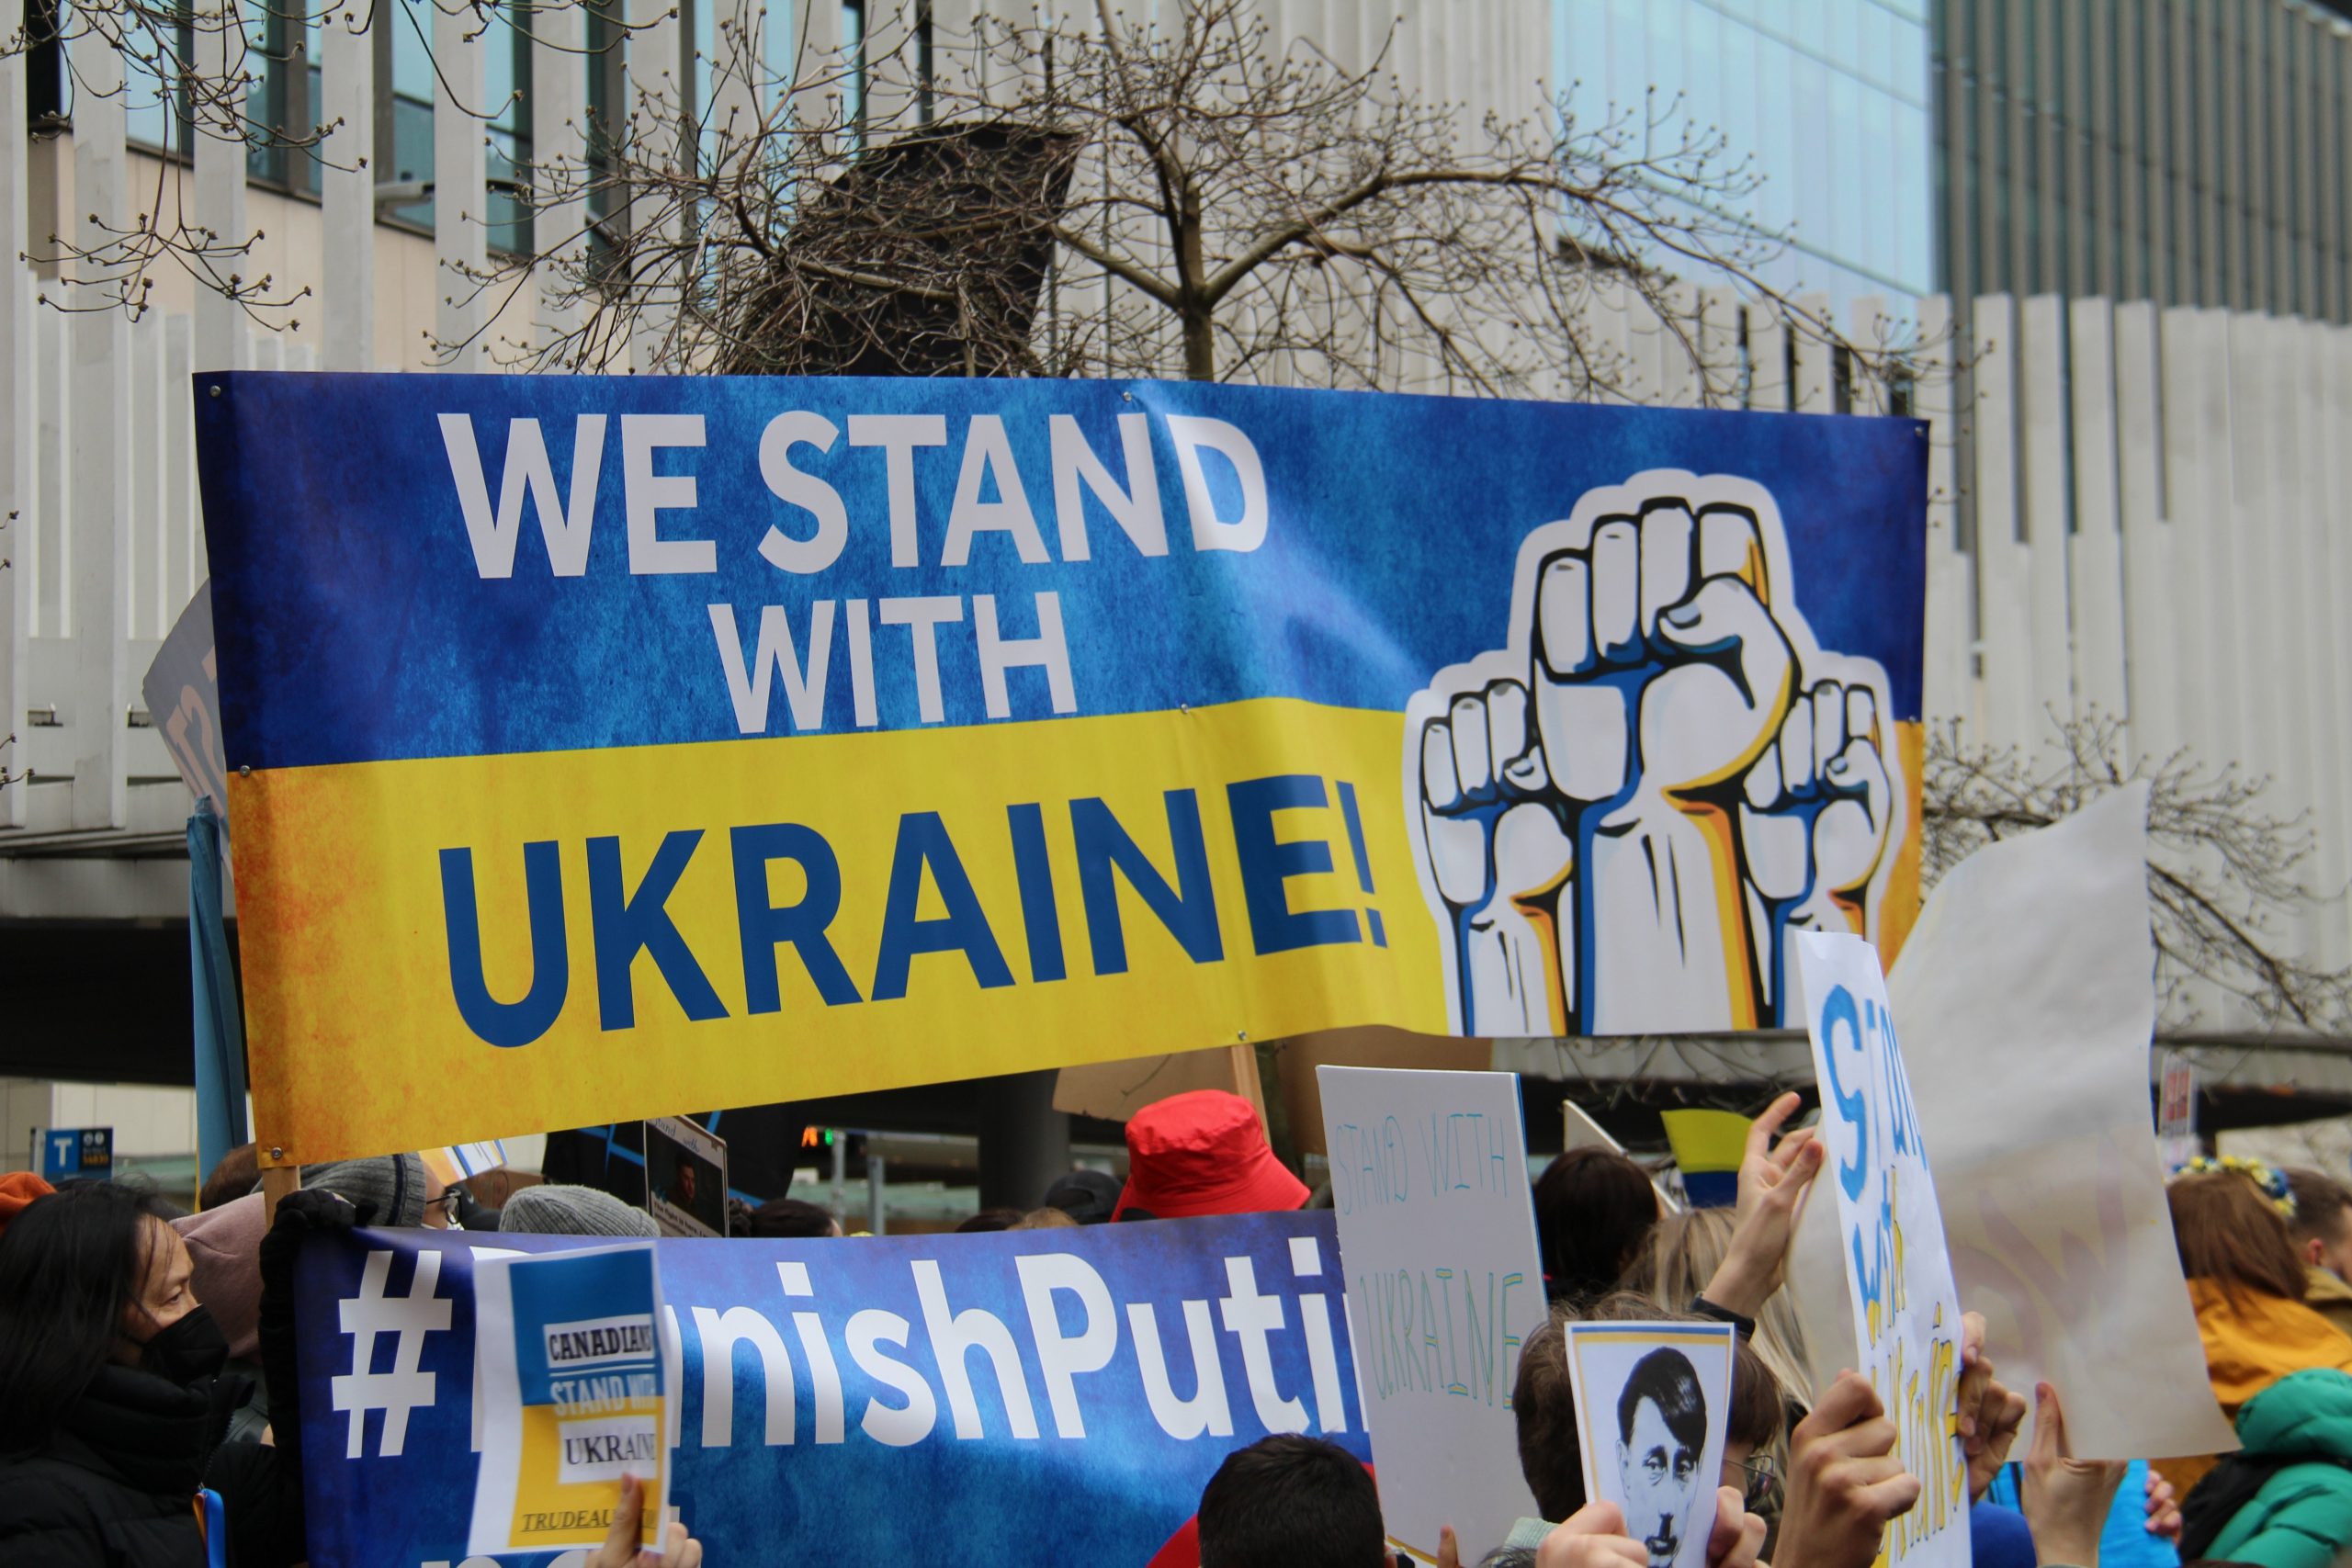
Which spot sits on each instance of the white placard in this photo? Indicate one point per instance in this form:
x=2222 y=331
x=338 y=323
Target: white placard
x=1903 y=1305
x=1437 y=1236
x=1653 y=1404
x=2028 y=1001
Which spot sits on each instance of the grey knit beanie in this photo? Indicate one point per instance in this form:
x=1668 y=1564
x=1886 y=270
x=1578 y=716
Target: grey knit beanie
x=390 y=1187
x=573 y=1211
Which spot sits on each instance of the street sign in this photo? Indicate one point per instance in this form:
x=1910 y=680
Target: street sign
x=68 y=1152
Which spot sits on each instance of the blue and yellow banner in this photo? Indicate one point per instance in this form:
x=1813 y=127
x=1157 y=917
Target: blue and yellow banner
x=618 y=746
x=1029 y=1395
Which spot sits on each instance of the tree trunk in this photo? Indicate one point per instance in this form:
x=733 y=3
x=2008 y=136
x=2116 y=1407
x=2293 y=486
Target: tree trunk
x=1200 y=345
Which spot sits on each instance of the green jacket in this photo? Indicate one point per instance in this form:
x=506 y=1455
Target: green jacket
x=2302 y=1514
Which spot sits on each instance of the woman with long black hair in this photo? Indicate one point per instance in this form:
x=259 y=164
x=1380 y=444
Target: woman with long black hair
x=108 y=1367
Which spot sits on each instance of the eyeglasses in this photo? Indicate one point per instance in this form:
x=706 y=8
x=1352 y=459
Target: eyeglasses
x=446 y=1204
x=1763 y=1479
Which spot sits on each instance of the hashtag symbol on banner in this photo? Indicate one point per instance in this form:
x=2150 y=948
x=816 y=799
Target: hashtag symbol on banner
x=409 y=1319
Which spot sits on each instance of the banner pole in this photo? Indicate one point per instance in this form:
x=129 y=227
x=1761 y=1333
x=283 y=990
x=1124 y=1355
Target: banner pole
x=277 y=1181
x=1242 y=1058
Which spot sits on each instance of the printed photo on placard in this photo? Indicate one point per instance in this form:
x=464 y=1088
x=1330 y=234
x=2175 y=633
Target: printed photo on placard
x=686 y=1177
x=1653 y=1400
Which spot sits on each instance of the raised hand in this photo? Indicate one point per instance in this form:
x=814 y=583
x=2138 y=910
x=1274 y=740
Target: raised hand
x=1774 y=1180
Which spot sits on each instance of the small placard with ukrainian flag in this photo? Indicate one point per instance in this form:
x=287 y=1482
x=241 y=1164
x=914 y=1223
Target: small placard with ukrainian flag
x=576 y=1395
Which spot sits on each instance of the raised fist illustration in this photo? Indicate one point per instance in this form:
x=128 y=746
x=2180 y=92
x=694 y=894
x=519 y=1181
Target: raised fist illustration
x=1815 y=819
x=1594 y=798
x=1499 y=853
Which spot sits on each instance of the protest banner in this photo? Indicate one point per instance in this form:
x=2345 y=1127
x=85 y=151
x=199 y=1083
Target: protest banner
x=1653 y=1407
x=575 y=1396
x=2029 y=1003
x=686 y=1177
x=858 y=1402
x=1902 y=1304
x=1444 y=1283
x=630 y=746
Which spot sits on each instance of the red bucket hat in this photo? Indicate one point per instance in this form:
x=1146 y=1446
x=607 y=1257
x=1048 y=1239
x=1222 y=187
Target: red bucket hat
x=17 y=1191
x=1203 y=1152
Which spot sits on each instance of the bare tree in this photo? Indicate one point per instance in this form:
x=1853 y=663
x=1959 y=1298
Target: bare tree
x=1093 y=195
x=2223 y=871
x=1100 y=196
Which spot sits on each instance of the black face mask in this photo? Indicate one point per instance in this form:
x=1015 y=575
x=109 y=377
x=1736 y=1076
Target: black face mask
x=186 y=1351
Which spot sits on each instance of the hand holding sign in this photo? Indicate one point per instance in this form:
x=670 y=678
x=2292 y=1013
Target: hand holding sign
x=2066 y=1499
x=678 y=1550
x=1989 y=1414
x=1739 y=1535
x=1845 y=1482
x=1592 y=1537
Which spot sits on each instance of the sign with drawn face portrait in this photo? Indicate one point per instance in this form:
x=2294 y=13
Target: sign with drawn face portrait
x=1653 y=1400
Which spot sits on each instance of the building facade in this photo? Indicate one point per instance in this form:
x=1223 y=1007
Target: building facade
x=1826 y=103
x=2182 y=151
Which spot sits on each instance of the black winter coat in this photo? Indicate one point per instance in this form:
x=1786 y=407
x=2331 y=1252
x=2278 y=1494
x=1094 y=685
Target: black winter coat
x=115 y=1488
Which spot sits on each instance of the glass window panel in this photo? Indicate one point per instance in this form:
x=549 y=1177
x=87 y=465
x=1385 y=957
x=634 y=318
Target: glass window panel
x=1628 y=68
x=153 y=57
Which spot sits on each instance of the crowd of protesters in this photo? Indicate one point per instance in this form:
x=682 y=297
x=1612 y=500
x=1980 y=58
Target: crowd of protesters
x=147 y=1359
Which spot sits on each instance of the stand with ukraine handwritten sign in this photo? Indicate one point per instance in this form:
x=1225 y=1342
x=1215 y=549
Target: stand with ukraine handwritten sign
x=1445 y=1282
x=1899 y=1282
x=622 y=747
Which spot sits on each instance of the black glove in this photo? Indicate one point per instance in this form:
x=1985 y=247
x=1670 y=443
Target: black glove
x=300 y=1214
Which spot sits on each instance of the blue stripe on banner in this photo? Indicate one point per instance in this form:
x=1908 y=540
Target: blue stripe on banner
x=351 y=591
x=858 y=1402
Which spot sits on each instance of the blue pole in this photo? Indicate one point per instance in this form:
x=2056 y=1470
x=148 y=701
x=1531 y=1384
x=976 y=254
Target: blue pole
x=219 y=1022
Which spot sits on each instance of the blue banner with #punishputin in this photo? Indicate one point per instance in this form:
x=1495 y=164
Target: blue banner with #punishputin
x=900 y=1399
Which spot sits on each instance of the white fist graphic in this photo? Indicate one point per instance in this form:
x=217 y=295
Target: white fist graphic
x=1622 y=812
x=1496 y=850
x=1814 y=819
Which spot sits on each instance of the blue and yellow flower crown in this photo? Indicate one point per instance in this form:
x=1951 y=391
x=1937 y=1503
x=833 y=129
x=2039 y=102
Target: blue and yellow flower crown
x=2273 y=1186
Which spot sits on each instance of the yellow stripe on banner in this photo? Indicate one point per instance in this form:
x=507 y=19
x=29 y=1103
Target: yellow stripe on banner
x=359 y=1044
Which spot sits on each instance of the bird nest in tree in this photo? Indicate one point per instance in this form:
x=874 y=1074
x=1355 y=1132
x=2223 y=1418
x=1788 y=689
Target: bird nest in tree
x=926 y=256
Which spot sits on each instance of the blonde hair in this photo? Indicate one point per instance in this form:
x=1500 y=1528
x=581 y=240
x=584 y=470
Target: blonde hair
x=1684 y=1253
